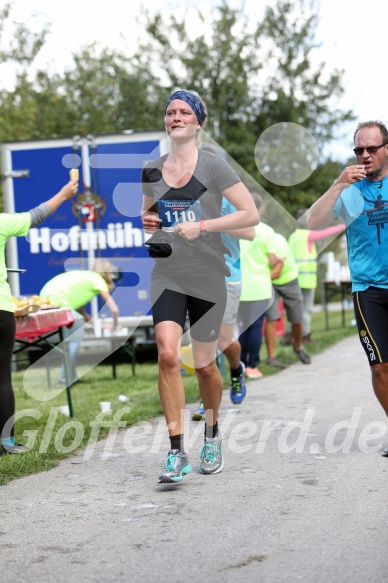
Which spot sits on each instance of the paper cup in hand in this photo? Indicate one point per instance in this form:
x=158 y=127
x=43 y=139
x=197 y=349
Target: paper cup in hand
x=74 y=174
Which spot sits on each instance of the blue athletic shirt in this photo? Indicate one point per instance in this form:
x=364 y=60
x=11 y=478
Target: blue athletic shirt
x=233 y=244
x=364 y=208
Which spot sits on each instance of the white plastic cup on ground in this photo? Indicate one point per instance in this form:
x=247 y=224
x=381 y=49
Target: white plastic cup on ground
x=123 y=399
x=64 y=409
x=105 y=406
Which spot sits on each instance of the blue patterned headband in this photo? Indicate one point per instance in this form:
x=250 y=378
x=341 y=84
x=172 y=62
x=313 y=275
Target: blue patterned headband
x=194 y=102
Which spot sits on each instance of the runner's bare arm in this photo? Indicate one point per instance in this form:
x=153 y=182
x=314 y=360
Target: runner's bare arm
x=321 y=212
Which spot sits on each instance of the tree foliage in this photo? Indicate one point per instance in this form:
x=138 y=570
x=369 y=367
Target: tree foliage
x=19 y=108
x=219 y=68
x=111 y=93
x=252 y=75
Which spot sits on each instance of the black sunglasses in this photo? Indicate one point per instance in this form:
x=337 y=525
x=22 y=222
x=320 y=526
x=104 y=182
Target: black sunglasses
x=370 y=150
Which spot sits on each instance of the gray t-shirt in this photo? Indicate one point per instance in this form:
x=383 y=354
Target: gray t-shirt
x=202 y=196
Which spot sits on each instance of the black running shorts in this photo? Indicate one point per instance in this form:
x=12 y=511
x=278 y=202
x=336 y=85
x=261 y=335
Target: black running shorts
x=200 y=295
x=371 y=310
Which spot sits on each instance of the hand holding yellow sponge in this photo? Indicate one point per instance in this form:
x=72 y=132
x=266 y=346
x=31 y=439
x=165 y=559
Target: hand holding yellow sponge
x=74 y=174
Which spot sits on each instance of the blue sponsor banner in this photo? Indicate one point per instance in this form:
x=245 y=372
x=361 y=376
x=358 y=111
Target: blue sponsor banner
x=116 y=231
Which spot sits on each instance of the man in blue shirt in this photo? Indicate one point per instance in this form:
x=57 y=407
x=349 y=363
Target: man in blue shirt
x=360 y=197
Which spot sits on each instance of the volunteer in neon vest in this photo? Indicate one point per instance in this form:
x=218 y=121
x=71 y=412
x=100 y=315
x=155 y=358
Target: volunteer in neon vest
x=284 y=277
x=303 y=246
x=75 y=289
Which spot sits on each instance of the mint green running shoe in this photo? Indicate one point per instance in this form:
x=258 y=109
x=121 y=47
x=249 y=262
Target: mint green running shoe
x=176 y=466
x=212 y=460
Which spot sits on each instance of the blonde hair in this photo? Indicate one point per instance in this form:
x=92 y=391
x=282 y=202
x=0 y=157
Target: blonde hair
x=105 y=269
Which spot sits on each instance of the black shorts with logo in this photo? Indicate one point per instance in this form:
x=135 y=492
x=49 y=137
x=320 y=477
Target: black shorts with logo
x=371 y=310
x=201 y=294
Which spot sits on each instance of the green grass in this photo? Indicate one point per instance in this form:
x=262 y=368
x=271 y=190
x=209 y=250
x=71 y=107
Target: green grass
x=53 y=434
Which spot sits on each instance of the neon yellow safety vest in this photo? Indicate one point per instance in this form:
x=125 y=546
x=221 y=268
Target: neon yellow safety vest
x=305 y=260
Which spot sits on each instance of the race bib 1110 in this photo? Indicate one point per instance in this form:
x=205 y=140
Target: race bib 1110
x=173 y=212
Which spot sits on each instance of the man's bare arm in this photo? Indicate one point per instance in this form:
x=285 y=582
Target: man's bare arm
x=321 y=213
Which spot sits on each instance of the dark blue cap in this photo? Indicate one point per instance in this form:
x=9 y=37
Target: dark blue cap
x=193 y=100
